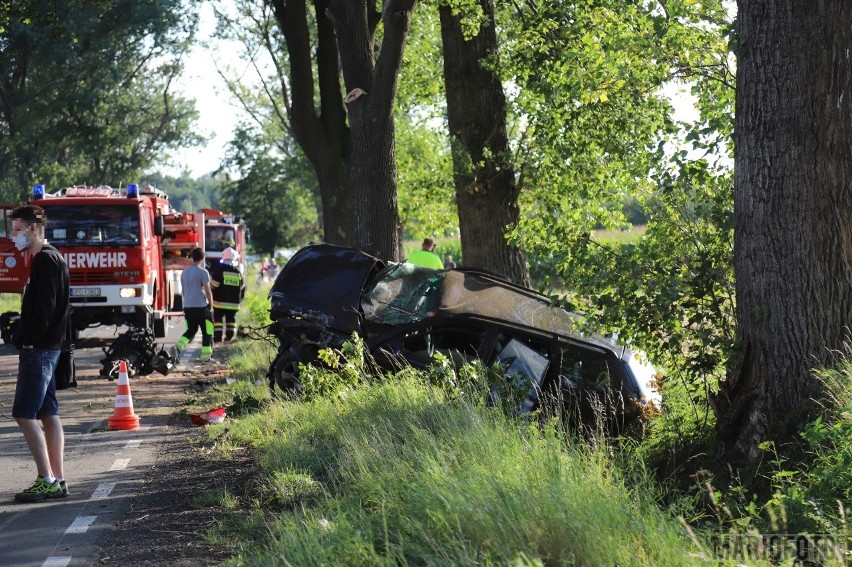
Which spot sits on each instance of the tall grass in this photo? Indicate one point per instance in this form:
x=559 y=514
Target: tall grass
x=403 y=472
x=395 y=473
x=249 y=360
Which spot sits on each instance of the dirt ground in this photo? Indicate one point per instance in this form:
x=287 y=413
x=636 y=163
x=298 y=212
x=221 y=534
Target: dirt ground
x=165 y=525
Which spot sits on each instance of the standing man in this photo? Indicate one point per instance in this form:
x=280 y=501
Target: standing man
x=197 y=306
x=229 y=289
x=41 y=328
x=426 y=256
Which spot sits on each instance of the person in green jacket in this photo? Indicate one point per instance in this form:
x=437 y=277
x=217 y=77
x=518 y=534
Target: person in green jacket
x=426 y=256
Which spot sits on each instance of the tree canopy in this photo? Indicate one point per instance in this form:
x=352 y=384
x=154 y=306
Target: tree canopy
x=86 y=90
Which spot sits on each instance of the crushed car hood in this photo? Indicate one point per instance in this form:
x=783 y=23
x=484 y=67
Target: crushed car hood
x=323 y=284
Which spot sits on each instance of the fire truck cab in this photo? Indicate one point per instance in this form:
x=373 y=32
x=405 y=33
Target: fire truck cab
x=123 y=248
x=222 y=230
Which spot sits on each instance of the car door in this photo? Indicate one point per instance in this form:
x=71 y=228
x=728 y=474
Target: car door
x=591 y=386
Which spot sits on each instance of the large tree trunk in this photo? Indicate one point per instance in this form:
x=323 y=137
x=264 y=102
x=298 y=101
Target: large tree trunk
x=486 y=193
x=325 y=138
x=371 y=89
x=793 y=205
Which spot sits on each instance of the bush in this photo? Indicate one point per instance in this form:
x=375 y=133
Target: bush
x=254 y=309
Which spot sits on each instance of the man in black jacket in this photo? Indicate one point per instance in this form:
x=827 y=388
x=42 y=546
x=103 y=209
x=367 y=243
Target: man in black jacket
x=42 y=326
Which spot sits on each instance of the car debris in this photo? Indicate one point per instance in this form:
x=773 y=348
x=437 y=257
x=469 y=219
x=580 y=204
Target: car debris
x=137 y=348
x=215 y=415
x=325 y=293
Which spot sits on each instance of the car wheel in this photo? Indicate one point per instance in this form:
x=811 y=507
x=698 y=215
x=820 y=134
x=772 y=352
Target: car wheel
x=285 y=372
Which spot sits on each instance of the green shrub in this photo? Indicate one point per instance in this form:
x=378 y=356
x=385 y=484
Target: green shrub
x=254 y=309
x=805 y=488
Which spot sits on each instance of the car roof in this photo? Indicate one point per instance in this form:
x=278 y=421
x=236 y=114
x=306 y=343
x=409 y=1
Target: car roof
x=472 y=293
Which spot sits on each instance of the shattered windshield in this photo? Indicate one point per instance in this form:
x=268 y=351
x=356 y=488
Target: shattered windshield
x=90 y=225
x=404 y=294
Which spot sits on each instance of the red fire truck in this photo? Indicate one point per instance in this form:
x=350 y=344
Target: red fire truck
x=123 y=248
x=222 y=230
x=13 y=264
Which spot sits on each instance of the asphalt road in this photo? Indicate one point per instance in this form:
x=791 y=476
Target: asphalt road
x=103 y=468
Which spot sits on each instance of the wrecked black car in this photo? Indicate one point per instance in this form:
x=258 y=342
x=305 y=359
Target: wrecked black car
x=407 y=313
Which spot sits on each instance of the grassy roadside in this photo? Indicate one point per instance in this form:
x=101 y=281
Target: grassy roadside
x=400 y=470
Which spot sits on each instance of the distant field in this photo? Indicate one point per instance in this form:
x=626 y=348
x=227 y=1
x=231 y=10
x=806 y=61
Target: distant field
x=10 y=302
x=621 y=236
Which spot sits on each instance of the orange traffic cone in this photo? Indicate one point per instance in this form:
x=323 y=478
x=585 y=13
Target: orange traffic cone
x=123 y=416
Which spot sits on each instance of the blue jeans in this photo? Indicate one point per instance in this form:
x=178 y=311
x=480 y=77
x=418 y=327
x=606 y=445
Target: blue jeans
x=35 y=393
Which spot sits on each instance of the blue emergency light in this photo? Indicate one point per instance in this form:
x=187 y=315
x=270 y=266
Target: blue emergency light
x=38 y=191
x=132 y=190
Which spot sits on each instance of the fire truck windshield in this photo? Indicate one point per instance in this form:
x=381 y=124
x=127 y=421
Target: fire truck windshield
x=92 y=225
x=219 y=237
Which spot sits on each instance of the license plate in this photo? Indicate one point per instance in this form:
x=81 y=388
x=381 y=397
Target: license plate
x=85 y=291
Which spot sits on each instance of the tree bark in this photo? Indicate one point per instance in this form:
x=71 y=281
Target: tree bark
x=371 y=86
x=324 y=137
x=793 y=205
x=486 y=192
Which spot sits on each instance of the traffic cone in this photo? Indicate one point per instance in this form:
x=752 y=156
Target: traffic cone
x=123 y=416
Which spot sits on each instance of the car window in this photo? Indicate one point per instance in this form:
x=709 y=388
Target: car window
x=523 y=363
x=525 y=369
x=459 y=343
x=584 y=369
x=403 y=294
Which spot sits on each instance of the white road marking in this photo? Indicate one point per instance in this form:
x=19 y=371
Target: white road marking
x=81 y=525
x=120 y=464
x=57 y=561
x=102 y=491
x=133 y=444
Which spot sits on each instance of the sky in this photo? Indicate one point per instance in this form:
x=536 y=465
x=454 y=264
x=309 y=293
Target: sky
x=218 y=116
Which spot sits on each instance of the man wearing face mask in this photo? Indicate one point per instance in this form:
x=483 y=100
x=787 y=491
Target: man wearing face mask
x=42 y=326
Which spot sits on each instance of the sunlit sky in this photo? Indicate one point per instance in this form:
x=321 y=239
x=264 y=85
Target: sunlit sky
x=218 y=116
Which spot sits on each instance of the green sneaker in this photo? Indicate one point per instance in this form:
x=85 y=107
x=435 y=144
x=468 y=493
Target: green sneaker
x=40 y=490
x=64 y=490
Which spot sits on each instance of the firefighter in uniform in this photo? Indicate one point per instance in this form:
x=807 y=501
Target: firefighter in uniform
x=229 y=289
